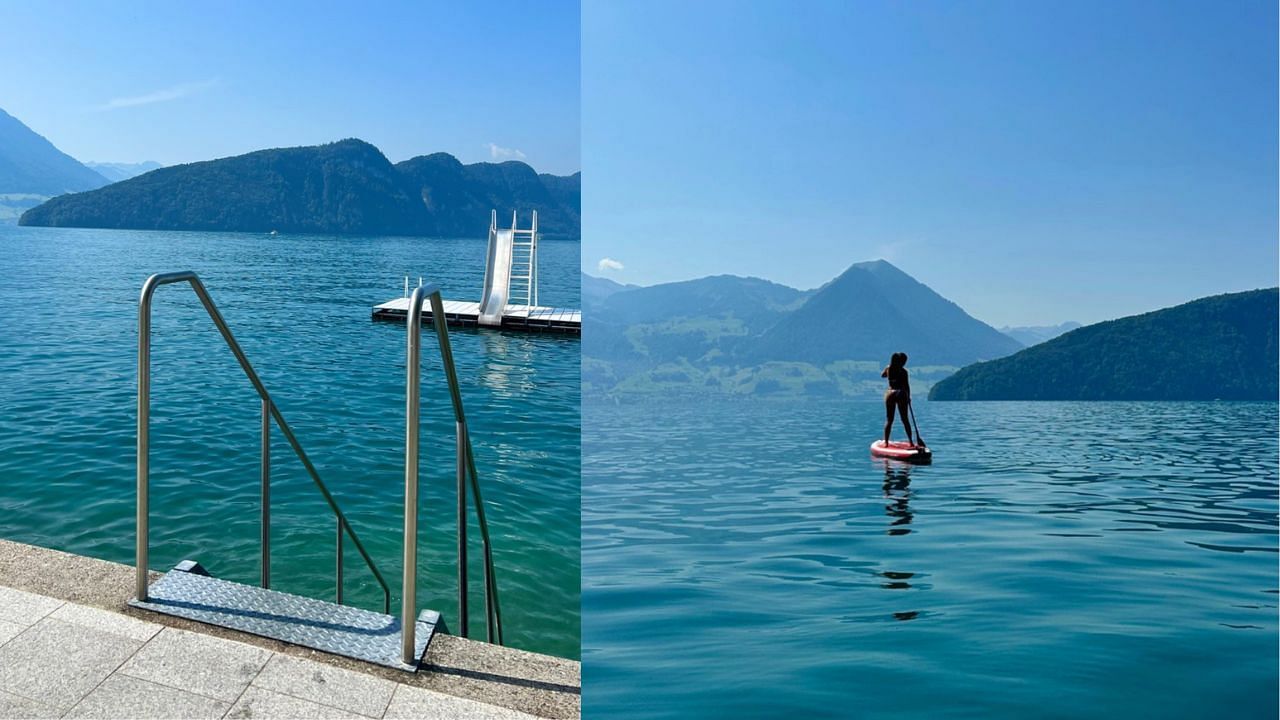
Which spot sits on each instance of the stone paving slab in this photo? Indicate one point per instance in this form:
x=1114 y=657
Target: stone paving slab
x=209 y=666
x=106 y=621
x=261 y=703
x=351 y=691
x=24 y=608
x=9 y=631
x=20 y=708
x=57 y=663
x=121 y=696
x=81 y=662
x=472 y=678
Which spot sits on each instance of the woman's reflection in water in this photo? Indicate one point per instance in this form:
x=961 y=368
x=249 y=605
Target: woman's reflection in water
x=897 y=493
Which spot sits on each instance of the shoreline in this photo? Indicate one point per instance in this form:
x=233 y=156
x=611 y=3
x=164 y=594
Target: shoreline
x=527 y=682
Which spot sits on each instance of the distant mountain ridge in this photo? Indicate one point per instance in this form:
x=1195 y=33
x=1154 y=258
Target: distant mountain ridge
x=728 y=334
x=1222 y=347
x=1036 y=334
x=30 y=164
x=346 y=187
x=115 y=172
x=756 y=302
x=596 y=290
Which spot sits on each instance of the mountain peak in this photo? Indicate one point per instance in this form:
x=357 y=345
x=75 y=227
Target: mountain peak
x=29 y=163
x=437 y=158
x=356 y=146
x=878 y=266
x=874 y=309
x=355 y=142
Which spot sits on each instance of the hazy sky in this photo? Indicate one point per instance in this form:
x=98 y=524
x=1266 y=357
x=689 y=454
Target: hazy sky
x=183 y=81
x=1033 y=161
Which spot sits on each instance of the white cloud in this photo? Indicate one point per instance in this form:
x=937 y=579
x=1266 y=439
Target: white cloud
x=171 y=93
x=608 y=264
x=501 y=153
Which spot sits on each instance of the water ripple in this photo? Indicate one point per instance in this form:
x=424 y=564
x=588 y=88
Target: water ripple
x=748 y=559
x=300 y=307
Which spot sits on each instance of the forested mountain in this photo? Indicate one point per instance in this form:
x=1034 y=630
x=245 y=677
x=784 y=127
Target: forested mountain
x=459 y=197
x=1216 y=348
x=346 y=187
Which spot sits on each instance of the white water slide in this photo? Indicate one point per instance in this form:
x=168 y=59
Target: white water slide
x=510 y=271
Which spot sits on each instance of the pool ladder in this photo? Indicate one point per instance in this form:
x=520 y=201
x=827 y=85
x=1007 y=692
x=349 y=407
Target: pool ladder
x=465 y=471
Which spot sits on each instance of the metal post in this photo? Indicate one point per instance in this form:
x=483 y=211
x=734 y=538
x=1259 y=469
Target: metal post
x=144 y=436
x=339 y=573
x=409 y=586
x=493 y=612
x=533 y=257
x=266 y=493
x=462 y=528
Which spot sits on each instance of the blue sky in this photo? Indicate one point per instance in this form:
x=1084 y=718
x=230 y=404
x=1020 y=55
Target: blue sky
x=178 y=81
x=1033 y=161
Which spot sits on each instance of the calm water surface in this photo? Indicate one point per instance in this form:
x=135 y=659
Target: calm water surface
x=299 y=305
x=1058 y=560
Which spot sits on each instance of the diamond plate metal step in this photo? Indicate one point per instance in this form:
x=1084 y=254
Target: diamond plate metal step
x=338 y=629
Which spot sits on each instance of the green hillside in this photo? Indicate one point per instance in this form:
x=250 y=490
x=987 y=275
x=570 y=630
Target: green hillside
x=1215 y=348
x=346 y=187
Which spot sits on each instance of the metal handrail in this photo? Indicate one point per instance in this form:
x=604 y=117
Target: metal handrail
x=466 y=470
x=269 y=411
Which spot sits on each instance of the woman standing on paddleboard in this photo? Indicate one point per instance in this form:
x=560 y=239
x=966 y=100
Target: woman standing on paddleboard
x=899 y=395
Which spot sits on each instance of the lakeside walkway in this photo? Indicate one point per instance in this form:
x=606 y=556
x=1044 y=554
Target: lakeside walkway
x=70 y=647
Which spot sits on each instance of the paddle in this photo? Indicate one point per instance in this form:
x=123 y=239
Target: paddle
x=919 y=440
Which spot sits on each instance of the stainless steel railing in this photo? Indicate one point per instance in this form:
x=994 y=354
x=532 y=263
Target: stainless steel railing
x=466 y=474
x=269 y=412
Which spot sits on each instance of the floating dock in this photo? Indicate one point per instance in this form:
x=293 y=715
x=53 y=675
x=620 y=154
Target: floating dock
x=467 y=314
x=510 y=275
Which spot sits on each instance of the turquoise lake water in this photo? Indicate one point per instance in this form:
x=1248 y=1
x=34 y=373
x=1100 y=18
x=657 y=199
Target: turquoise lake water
x=1057 y=560
x=300 y=308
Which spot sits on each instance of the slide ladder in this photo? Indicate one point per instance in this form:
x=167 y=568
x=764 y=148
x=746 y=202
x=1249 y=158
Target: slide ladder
x=511 y=269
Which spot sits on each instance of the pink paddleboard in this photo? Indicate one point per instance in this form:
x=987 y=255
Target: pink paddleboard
x=901 y=451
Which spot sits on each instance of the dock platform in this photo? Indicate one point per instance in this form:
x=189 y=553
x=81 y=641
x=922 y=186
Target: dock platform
x=189 y=592
x=528 y=318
